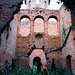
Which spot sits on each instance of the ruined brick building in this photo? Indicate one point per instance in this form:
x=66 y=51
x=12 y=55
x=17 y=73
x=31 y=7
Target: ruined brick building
x=32 y=36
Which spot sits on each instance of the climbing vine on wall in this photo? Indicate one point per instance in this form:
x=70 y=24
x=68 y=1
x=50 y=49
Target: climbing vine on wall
x=73 y=27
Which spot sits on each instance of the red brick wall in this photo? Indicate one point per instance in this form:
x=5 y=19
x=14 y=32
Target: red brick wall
x=56 y=57
x=53 y=41
x=22 y=45
x=9 y=7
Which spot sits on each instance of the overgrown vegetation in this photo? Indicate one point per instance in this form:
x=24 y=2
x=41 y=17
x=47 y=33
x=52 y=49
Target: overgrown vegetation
x=8 y=71
x=23 y=72
x=69 y=4
x=73 y=27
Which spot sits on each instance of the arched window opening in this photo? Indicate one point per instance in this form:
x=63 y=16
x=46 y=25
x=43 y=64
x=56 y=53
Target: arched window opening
x=25 y=21
x=52 y=20
x=68 y=64
x=52 y=27
x=38 y=25
x=37 y=64
x=24 y=27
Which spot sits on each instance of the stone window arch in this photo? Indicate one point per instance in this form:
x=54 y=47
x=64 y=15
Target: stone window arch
x=24 y=27
x=53 y=26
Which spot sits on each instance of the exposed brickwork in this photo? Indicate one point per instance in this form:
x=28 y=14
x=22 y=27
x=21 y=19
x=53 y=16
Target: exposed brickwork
x=56 y=57
x=69 y=49
x=22 y=46
x=14 y=45
x=37 y=53
x=45 y=14
x=25 y=43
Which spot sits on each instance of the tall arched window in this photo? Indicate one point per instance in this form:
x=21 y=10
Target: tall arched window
x=52 y=27
x=38 y=25
x=24 y=28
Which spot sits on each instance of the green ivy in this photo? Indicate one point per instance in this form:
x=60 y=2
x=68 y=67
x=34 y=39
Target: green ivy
x=8 y=71
x=73 y=27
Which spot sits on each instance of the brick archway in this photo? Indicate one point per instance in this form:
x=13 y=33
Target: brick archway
x=37 y=53
x=37 y=64
x=68 y=64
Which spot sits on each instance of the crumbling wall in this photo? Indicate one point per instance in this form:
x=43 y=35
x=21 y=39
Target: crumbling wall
x=7 y=10
x=65 y=21
x=24 y=44
x=8 y=42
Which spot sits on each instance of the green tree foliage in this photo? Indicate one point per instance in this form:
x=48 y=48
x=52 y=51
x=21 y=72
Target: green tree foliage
x=70 y=4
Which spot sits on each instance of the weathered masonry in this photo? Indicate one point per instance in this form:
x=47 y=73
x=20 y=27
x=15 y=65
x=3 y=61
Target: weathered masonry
x=37 y=36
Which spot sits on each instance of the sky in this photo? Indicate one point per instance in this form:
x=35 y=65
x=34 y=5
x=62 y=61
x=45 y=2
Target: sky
x=53 y=5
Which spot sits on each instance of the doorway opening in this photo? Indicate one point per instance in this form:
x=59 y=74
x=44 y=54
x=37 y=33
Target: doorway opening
x=37 y=64
x=68 y=64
